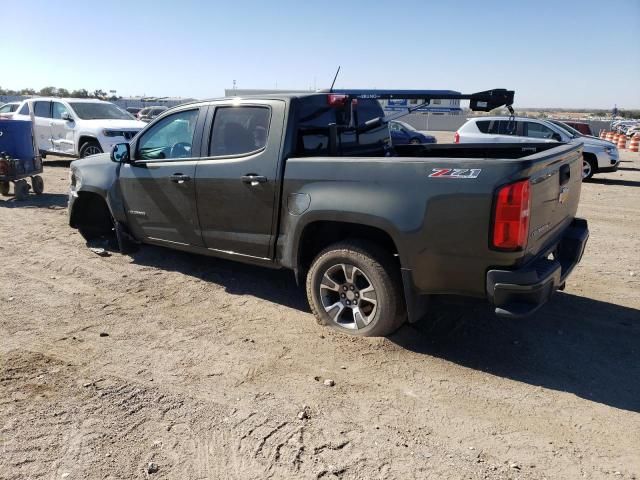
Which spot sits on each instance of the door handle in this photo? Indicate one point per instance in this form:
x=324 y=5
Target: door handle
x=565 y=174
x=179 y=178
x=253 y=179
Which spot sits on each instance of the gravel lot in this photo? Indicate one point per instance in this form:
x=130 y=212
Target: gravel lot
x=211 y=369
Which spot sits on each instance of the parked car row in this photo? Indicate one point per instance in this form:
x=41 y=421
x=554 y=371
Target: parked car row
x=76 y=127
x=628 y=127
x=598 y=155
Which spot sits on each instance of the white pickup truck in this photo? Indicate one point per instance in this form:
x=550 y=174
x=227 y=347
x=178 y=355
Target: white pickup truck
x=598 y=155
x=77 y=127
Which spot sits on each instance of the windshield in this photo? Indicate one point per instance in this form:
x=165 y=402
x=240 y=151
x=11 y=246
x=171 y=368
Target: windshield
x=9 y=107
x=572 y=132
x=99 y=111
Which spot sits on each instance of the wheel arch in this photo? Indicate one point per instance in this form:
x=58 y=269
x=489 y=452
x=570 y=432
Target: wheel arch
x=86 y=137
x=91 y=209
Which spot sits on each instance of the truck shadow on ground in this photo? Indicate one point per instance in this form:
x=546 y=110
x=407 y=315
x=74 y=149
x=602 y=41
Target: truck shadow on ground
x=613 y=181
x=574 y=344
x=46 y=200
x=236 y=278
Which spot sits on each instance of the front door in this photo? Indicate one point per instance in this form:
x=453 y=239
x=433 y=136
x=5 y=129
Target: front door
x=237 y=178
x=61 y=129
x=158 y=185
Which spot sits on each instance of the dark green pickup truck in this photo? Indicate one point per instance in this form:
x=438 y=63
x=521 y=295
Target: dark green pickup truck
x=311 y=182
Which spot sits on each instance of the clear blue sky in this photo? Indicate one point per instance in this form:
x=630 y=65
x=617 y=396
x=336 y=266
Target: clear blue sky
x=562 y=53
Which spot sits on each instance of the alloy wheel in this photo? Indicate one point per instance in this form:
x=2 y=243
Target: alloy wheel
x=348 y=296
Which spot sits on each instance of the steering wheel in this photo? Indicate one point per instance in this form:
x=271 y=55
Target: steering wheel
x=180 y=149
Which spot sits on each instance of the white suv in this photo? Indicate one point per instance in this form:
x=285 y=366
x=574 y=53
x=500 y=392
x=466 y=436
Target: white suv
x=78 y=127
x=598 y=155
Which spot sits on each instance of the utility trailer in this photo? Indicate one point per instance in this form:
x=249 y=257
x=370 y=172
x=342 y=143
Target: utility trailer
x=19 y=159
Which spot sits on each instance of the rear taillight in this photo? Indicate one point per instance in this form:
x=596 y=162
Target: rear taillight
x=511 y=216
x=456 y=138
x=337 y=100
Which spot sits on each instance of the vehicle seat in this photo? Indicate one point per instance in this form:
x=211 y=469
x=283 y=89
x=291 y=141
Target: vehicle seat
x=237 y=139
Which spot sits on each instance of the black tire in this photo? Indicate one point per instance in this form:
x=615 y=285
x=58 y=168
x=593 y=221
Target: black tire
x=5 y=188
x=375 y=267
x=37 y=184
x=588 y=168
x=90 y=147
x=415 y=141
x=21 y=189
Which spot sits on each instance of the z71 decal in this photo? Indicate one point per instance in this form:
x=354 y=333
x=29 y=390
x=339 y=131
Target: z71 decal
x=456 y=172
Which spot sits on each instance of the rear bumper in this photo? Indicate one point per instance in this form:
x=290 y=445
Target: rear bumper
x=517 y=293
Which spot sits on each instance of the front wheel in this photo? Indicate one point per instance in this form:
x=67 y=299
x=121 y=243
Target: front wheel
x=90 y=147
x=354 y=287
x=415 y=141
x=588 y=169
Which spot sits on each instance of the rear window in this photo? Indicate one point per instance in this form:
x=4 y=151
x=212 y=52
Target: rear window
x=497 y=127
x=42 y=109
x=239 y=130
x=314 y=117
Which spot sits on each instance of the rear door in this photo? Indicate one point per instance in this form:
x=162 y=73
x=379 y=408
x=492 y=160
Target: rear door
x=42 y=127
x=237 y=178
x=158 y=185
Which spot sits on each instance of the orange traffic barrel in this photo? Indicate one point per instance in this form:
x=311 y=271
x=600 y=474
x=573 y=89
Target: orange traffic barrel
x=622 y=142
x=634 y=145
x=609 y=136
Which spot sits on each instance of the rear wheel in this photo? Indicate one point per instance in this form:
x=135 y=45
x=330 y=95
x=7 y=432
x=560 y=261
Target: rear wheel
x=5 y=187
x=90 y=147
x=38 y=184
x=354 y=287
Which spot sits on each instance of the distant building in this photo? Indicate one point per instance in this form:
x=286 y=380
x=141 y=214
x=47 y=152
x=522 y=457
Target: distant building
x=435 y=107
x=241 y=92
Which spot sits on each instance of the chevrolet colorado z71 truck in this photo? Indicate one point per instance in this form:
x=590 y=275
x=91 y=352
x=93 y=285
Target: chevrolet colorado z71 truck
x=312 y=183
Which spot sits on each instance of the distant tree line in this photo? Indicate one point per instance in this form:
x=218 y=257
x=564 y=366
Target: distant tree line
x=61 y=92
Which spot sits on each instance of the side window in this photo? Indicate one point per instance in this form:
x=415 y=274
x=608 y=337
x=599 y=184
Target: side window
x=483 y=126
x=394 y=127
x=501 y=127
x=58 y=110
x=537 y=130
x=170 y=138
x=239 y=130
x=25 y=109
x=42 y=109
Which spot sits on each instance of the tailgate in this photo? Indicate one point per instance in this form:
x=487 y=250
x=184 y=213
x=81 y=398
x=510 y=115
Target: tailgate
x=556 y=179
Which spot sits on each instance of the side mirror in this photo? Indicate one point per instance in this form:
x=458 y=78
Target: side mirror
x=67 y=116
x=121 y=153
x=557 y=137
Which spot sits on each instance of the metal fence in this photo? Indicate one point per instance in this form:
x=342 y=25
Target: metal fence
x=451 y=123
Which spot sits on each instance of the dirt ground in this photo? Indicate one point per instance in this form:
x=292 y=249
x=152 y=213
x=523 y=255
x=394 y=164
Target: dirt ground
x=211 y=369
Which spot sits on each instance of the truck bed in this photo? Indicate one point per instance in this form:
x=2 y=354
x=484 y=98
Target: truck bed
x=441 y=224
